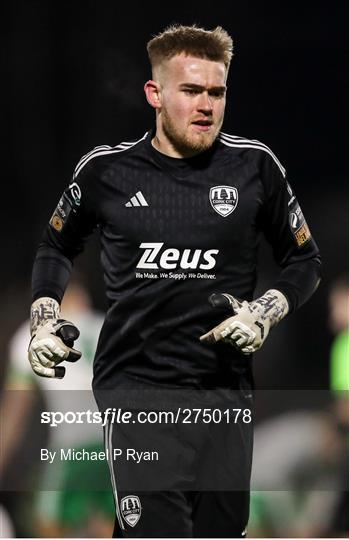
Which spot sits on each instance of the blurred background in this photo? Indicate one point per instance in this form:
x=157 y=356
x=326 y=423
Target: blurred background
x=73 y=75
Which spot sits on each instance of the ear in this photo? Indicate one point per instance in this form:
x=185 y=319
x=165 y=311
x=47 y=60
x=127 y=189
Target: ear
x=152 y=91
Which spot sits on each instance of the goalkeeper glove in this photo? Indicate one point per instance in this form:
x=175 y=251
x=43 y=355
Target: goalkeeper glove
x=249 y=327
x=52 y=339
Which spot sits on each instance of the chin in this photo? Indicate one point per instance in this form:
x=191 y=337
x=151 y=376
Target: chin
x=201 y=142
x=189 y=141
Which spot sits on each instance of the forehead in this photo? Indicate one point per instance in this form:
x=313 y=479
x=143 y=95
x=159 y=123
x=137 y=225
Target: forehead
x=184 y=68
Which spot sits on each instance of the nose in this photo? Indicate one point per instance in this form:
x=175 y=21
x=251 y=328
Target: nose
x=205 y=103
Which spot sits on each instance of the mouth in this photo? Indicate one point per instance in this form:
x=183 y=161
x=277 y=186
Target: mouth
x=203 y=125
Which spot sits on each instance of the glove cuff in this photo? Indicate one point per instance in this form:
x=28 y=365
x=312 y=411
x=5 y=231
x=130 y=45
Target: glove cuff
x=42 y=310
x=272 y=305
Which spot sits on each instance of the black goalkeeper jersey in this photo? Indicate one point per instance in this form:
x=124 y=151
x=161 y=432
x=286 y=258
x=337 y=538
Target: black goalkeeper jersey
x=174 y=231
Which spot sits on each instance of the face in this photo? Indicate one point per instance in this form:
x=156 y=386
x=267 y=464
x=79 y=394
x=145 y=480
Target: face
x=192 y=103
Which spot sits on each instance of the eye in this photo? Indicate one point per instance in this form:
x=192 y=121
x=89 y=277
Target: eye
x=218 y=94
x=191 y=91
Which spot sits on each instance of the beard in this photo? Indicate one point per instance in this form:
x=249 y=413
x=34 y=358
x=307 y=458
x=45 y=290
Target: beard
x=185 y=143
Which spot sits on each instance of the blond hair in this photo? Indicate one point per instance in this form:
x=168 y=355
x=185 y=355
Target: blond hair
x=214 y=44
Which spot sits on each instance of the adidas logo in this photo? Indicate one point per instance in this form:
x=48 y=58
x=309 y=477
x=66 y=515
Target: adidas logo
x=137 y=200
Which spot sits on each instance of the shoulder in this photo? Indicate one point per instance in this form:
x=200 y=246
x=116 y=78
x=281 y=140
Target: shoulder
x=105 y=152
x=255 y=149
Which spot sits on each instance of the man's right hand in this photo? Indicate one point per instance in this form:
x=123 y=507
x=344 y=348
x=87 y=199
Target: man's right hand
x=51 y=344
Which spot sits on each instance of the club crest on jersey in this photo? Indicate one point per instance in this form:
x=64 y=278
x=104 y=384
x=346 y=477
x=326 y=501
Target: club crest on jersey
x=223 y=199
x=131 y=509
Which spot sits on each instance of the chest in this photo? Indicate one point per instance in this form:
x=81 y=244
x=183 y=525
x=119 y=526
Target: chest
x=149 y=204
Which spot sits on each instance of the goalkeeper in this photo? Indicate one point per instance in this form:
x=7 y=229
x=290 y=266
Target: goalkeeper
x=180 y=212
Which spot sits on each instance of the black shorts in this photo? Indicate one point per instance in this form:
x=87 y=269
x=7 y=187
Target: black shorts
x=184 y=514
x=185 y=473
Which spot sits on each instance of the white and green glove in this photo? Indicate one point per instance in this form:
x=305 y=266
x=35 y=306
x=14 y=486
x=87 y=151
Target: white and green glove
x=249 y=327
x=52 y=339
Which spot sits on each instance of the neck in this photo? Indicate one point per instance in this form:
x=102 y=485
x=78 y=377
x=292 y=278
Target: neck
x=162 y=144
x=167 y=149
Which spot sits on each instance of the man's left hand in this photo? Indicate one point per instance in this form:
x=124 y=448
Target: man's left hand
x=249 y=327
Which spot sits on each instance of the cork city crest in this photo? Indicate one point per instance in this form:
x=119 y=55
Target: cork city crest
x=224 y=199
x=131 y=509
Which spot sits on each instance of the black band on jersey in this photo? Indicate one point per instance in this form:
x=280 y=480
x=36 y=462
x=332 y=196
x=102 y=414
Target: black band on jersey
x=51 y=272
x=298 y=281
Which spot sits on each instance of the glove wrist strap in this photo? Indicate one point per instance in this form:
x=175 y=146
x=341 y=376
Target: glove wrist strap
x=272 y=305
x=42 y=310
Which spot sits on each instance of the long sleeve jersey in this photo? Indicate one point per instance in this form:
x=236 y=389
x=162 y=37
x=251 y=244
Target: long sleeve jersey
x=174 y=231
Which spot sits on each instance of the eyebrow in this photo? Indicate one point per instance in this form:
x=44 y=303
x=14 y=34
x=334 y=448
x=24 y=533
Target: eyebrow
x=203 y=88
